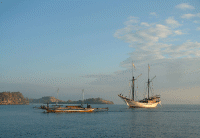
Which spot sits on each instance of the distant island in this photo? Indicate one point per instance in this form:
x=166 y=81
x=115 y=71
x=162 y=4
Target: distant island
x=12 y=98
x=52 y=100
x=16 y=98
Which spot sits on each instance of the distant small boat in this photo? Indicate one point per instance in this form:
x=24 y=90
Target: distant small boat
x=149 y=102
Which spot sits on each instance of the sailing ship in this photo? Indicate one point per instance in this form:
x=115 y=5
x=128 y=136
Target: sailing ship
x=149 y=102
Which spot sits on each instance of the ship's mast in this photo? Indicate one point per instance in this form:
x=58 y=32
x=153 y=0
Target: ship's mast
x=132 y=68
x=133 y=82
x=57 y=97
x=83 y=96
x=133 y=85
x=148 y=81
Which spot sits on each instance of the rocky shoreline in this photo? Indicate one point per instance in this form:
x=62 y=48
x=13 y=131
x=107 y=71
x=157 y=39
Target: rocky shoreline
x=13 y=98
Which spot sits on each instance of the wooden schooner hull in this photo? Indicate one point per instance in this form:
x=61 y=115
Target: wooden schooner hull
x=135 y=104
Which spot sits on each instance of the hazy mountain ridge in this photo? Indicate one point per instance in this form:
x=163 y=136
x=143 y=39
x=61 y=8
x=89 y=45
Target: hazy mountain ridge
x=45 y=99
x=52 y=99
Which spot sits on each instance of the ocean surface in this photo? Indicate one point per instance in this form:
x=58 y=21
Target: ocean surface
x=166 y=121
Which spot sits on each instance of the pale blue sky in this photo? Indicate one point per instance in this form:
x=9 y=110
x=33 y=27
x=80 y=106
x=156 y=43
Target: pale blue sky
x=88 y=44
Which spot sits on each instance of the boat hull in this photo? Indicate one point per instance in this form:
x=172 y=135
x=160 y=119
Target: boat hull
x=68 y=110
x=134 y=104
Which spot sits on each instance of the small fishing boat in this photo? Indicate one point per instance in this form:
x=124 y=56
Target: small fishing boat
x=70 y=109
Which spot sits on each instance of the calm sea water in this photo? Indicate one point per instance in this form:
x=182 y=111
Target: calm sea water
x=120 y=121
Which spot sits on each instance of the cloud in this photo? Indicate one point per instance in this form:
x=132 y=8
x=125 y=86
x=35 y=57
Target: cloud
x=196 y=21
x=161 y=31
x=171 y=21
x=145 y=24
x=148 y=41
x=132 y=20
x=188 y=16
x=187 y=50
x=153 y=14
x=198 y=28
x=151 y=34
x=143 y=34
x=185 y=6
x=178 y=32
